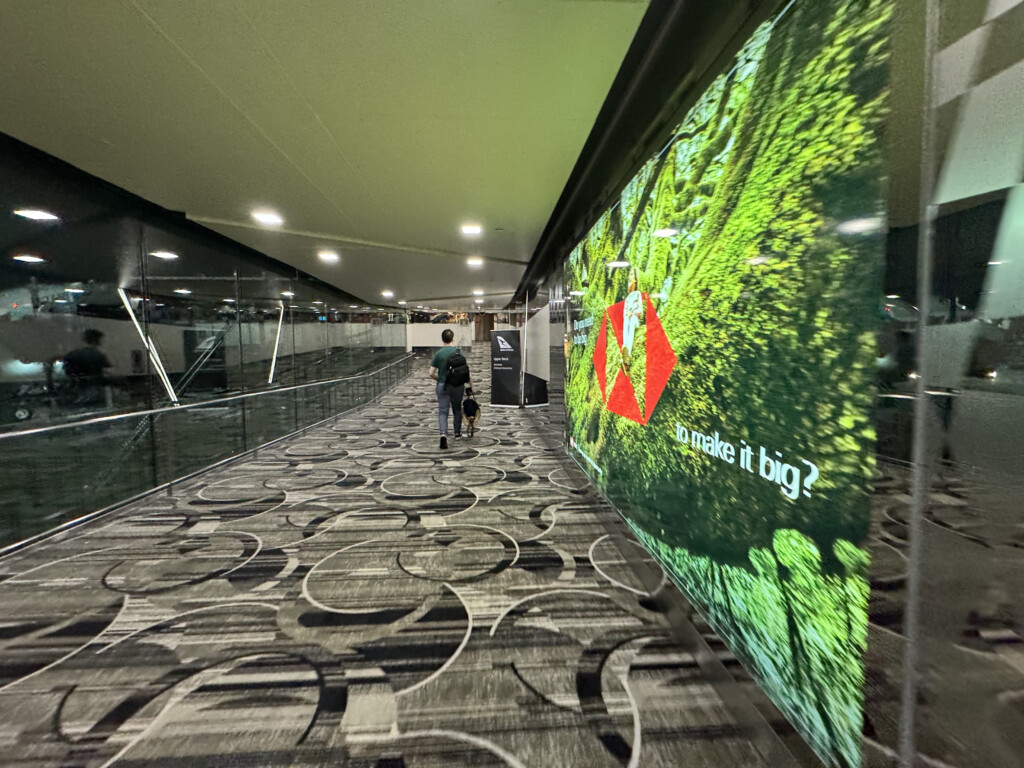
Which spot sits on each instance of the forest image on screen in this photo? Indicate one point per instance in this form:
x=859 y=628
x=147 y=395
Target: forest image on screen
x=722 y=342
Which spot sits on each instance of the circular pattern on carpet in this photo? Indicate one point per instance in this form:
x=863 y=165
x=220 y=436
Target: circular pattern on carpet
x=303 y=480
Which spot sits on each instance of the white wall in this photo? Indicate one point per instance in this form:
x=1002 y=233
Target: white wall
x=429 y=335
x=258 y=338
x=31 y=340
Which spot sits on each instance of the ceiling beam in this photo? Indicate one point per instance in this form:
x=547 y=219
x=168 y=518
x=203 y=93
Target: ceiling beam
x=348 y=240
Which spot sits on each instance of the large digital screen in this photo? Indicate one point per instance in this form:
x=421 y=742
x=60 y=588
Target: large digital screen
x=720 y=375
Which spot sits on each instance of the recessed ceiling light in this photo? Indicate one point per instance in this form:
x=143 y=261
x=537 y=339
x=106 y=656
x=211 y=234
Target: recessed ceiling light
x=60 y=301
x=74 y=290
x=329 y=256
x=472 y=229
x=289 y=294
x=475 y=261
x=230 y=301
x=478 y=293
x=165 y=255
x=479 y=301
x=419 y=306
x=182 y=291
x=318 y=302
x=269 y=218
x=403 y=303
x=893 y=296
x=353 y=306
x=35 y=214
x=29 y=258
x=387 y=294
x=617 y=264
x=665 y=232
x=293 y=306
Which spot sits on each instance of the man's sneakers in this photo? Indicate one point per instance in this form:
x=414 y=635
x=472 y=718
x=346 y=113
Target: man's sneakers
x=444 y=443
x=458 y=435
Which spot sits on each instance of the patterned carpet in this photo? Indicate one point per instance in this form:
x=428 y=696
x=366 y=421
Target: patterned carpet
x=354 y=597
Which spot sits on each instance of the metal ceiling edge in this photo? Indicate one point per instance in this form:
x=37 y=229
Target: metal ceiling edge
x=679 y=48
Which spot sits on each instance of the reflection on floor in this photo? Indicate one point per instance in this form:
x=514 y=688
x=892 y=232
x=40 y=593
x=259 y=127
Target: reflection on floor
x=354 y=596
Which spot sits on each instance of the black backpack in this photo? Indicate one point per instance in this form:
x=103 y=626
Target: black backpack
x=458 y=370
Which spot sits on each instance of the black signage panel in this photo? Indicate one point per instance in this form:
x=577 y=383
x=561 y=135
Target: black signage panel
x=506 y=367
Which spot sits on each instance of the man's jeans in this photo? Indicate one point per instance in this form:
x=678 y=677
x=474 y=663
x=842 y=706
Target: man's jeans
x=449 y=397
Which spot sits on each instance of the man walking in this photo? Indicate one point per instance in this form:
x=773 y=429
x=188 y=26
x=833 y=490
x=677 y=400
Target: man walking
x=452 y=374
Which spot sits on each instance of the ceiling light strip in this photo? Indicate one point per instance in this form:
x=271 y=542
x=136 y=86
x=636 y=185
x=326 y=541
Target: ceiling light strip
x=154 y=356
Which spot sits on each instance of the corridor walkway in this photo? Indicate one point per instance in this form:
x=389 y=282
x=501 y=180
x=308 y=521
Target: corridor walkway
x=354 y=597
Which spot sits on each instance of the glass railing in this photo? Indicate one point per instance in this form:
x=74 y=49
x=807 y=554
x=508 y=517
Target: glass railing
x=58 y=473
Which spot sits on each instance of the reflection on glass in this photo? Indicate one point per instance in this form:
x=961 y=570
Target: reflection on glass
x=970 y=700
x=124 y=309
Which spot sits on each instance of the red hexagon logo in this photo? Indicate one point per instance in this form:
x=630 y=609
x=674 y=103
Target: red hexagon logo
x=660 y=358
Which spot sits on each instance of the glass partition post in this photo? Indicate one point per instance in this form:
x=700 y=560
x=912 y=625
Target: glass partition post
x=963 y=704
x=240 y=346
x=150 y=394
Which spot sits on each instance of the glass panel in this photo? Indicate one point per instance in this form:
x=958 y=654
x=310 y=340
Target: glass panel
x=108 y=305
x=970 y=706
x=57 y=475
x=190 y=312
x=269 y=417
x=267 y=340
x=189 y=439
x=68 y=350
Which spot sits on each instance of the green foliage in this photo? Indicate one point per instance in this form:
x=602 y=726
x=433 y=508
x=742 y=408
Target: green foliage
x=770 y=311
x=804 y=630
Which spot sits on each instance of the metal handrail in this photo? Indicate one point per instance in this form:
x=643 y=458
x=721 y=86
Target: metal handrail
x=200 y=404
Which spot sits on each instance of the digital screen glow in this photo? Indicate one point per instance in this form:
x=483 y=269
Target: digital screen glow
x=720 y=370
